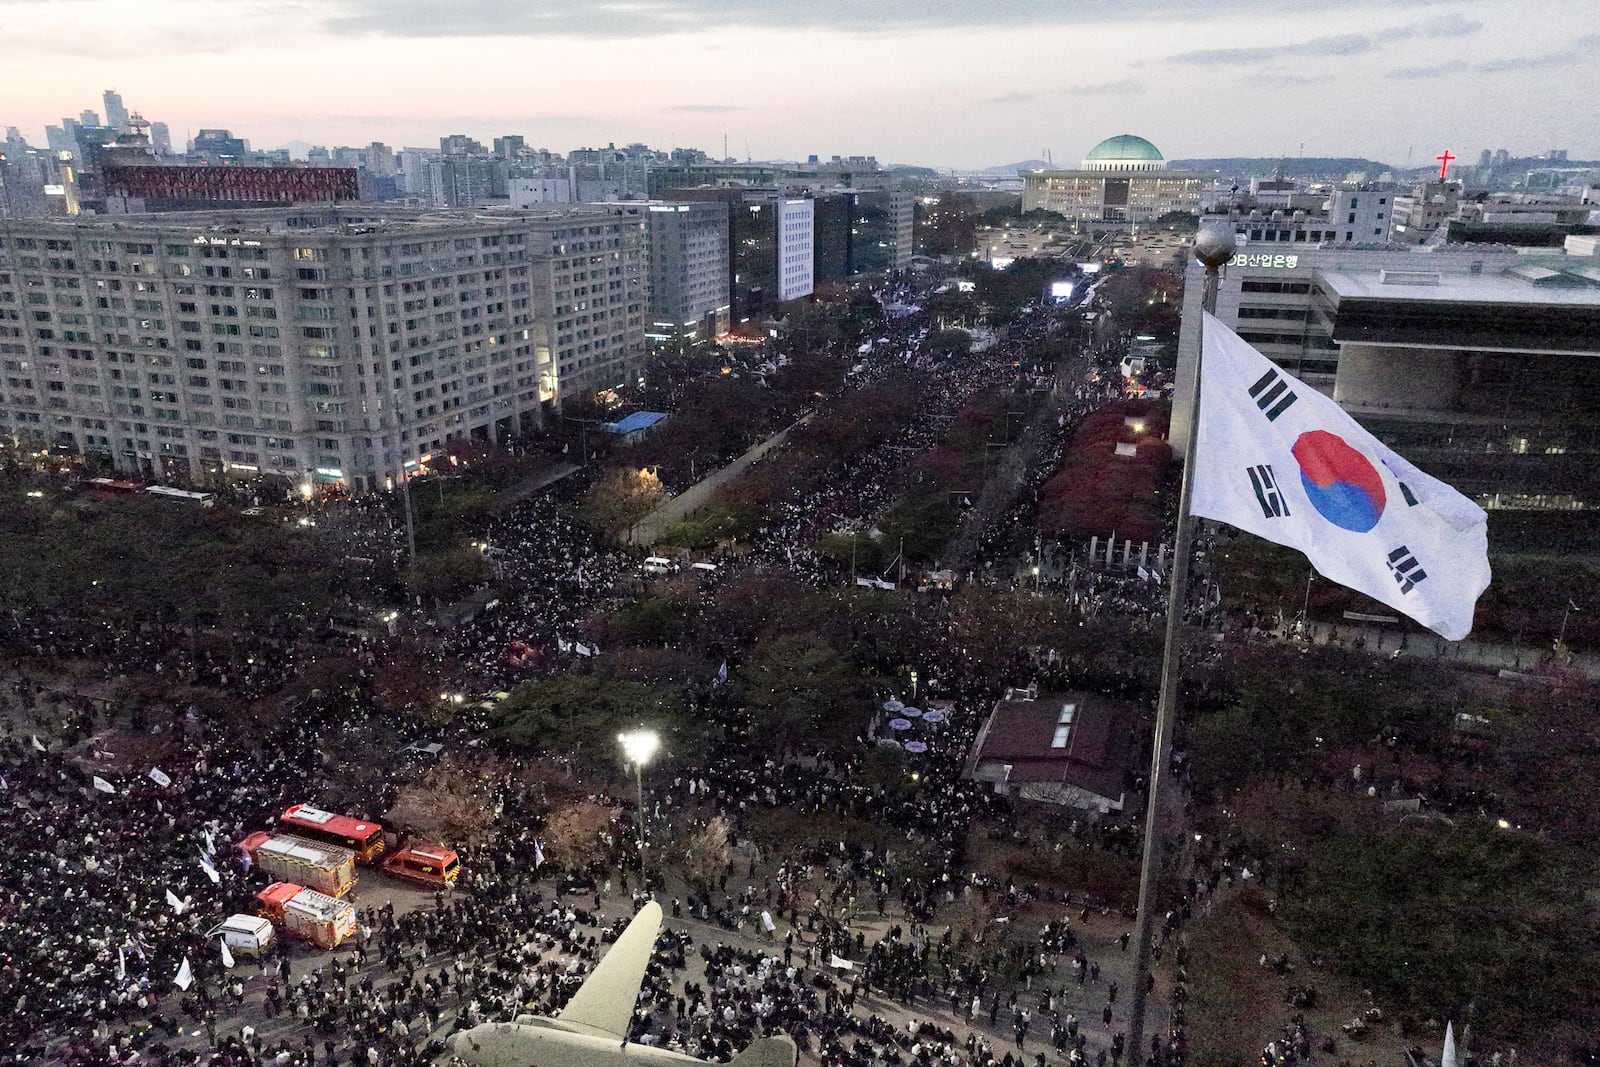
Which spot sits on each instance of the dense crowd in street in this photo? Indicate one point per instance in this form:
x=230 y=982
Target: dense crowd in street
x=107 y=894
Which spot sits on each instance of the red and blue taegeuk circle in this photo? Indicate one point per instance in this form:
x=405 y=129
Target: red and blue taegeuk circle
x=1342 y=484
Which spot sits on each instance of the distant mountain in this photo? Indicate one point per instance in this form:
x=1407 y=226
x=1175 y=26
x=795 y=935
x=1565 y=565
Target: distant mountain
x=1293 y=167
x=1013 y=168
x=911 y=170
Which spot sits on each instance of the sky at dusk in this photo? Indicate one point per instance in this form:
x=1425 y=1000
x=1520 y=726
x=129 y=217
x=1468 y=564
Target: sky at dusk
x=934 y=82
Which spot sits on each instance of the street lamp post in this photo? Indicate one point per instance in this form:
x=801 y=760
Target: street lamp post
x=638 y=746
x=1561 y=638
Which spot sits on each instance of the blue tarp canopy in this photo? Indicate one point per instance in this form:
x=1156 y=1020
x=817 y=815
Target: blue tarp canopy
x=639 y=420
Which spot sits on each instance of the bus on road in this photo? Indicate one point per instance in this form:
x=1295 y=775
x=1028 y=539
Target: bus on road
x=181 y=496
x=112 y=487
x=361 y=836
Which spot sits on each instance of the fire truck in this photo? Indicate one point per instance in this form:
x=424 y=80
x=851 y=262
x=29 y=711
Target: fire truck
x=326 y=868
x=322 y=920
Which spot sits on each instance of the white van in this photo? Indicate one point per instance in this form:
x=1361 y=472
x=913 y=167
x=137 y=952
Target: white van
x=708 y=567
x=247 y=934
x=656 y=565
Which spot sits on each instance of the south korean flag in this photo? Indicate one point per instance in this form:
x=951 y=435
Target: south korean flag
x=1280 y=460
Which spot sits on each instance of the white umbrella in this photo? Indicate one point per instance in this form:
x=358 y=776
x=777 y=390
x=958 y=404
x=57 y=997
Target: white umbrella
x=892 y=705
x=934 y=716
x=899 y=724
x=911 y=713
x=917 y=747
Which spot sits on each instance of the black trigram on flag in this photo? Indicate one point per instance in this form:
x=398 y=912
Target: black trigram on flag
x=1272 y=394
x=1273 y=506
x=1405 y=568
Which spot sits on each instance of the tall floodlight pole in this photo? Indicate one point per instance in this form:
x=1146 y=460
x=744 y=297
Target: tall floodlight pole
x=411 y=523
x=637 y=748
x=1213 y=247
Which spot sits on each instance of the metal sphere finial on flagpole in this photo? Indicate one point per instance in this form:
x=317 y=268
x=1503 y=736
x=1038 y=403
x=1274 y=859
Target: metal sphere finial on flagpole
x=1213 y=246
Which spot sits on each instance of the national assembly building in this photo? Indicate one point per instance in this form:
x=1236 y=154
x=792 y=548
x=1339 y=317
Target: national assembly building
x=1124 y=180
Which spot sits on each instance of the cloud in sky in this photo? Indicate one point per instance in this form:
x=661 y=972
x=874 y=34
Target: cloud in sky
x=1437 y=71
x=1580 y=50
x=931 y=81
x=1347 y=44
x=645 y=18
x=1126 y=85
x=1287 y=80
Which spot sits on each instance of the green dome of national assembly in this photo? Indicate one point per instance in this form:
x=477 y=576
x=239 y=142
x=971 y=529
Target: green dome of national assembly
x=1124 y=152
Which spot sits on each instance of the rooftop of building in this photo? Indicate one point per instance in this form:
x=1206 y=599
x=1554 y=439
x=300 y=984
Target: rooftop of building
x=339 y=219
x=1554 y=281
x=1093 y=731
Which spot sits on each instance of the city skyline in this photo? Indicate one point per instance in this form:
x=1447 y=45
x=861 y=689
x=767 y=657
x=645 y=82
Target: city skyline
x=951 y=86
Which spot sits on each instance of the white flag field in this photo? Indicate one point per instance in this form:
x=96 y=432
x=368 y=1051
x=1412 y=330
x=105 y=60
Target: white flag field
x=1277 y=459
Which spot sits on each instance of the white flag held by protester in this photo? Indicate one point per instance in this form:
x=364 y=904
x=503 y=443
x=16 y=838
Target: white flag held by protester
x=103 y=785
x=1280 y=460
x=177 y=905
x=538 y=854
x=38 y=744
x=159 y=777
x=227 y=955
x=210 y=869
x=185 y=976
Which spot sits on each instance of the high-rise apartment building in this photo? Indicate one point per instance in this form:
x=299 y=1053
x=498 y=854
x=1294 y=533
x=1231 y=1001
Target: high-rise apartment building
x=219 y=145
x=116 y=113
x=688 y=254
x=322 y=344
x=465 y=181
x=770 y=247
x=796 y=257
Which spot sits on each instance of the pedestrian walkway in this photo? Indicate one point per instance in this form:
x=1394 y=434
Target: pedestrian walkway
x=1489 y=655
x=648 y=529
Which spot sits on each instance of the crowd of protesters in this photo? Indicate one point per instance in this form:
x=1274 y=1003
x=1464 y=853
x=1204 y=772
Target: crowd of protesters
x=111 y=875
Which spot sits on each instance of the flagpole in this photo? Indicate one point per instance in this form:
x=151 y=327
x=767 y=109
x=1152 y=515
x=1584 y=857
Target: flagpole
x=1213 y=247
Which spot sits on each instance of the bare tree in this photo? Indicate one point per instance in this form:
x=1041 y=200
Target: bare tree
x=706 y=852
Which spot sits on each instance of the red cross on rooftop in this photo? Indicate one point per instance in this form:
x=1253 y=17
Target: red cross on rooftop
x=1444 y=159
